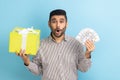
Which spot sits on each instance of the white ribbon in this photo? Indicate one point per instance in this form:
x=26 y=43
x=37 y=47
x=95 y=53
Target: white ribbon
x=24 y=33
x=24 y=39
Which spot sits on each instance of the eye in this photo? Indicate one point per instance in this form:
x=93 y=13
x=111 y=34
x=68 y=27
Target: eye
x=62 y=21
x=53 y=21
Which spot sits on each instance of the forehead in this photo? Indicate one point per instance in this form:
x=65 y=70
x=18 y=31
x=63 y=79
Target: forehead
x=58 y=17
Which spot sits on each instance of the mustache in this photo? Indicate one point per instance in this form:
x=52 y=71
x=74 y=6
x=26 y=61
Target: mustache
x=58 y=29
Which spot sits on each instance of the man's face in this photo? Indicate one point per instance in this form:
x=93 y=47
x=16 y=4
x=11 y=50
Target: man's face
x=58 y=25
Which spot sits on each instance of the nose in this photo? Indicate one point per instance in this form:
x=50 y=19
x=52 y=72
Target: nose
x=58 y=24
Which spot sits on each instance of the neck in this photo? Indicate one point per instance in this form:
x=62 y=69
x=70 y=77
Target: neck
x=58 y=39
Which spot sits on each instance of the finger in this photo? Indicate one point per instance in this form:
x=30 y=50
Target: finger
x=17 y=53
x=89 y=42
x=24 y=54
x=89 y=45
x=21 y=52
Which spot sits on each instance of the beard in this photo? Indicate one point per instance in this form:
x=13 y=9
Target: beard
x=58 y=32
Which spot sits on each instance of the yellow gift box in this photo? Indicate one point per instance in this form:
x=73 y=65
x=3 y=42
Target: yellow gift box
x=24 y=38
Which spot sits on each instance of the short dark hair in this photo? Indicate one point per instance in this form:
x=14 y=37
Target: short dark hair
x=58 y=12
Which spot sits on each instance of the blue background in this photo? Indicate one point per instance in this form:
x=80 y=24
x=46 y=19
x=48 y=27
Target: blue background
x=101 y=15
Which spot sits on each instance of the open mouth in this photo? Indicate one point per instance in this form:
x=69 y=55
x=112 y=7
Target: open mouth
x=58 y=30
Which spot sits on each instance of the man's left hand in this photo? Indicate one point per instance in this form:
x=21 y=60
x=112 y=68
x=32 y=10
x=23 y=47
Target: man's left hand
x=89 y=48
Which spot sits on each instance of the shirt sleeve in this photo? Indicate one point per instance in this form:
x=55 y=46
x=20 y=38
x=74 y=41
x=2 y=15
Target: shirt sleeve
x=83 y=63
x=35 y=65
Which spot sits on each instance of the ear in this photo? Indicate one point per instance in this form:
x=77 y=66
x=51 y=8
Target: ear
x=66 y=24
x=49 y=23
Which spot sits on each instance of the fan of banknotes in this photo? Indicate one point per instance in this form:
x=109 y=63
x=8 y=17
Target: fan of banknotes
x=87 y=34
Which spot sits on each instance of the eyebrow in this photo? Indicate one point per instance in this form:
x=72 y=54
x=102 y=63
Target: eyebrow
x=62 y=19
x=55 y=19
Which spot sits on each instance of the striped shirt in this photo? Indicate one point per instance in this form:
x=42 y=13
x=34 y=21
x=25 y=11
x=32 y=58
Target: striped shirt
x=59 y=61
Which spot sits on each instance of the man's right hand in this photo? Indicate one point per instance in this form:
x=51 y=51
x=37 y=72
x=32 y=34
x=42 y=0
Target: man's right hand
x=24 y=57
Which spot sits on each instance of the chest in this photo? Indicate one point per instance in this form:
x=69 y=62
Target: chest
x=59 y=53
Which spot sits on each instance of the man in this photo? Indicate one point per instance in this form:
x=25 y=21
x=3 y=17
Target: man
x=59 y=56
